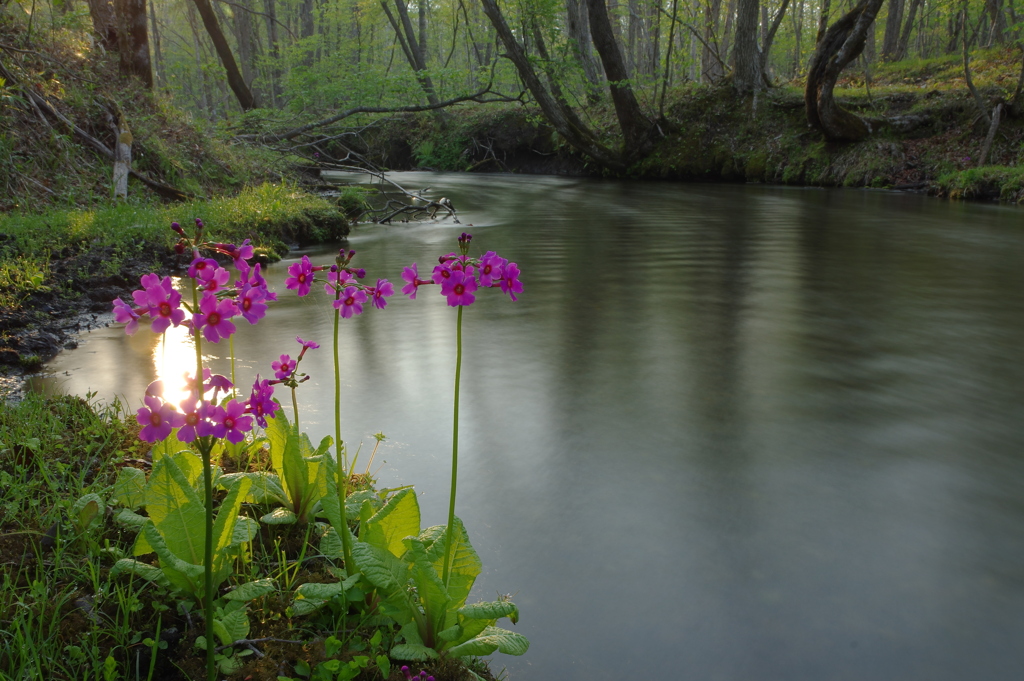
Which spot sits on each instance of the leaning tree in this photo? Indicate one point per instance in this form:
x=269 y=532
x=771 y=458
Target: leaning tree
x=837 y=47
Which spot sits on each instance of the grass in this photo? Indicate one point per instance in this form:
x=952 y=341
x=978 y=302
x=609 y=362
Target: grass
x=271 y=215
x=63 y=617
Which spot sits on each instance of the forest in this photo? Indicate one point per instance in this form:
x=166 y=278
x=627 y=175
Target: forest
x=644 y=89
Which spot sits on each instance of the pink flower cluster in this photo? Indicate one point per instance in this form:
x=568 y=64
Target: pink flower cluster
x=342 y=282
x=199 y=418
x=460 y=276
x=221 y=300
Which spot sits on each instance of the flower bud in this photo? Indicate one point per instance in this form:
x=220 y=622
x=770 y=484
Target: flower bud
x=177 y=228
x=179 y=247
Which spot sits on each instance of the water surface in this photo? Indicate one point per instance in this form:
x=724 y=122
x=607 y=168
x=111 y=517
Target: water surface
x=726 y=433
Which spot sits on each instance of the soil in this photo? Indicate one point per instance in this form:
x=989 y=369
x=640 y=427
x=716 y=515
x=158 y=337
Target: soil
x=49 y=322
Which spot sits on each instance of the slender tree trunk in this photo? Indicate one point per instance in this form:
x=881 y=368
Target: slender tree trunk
x=842 y=43
x=890 y=41
x=904 y=42
x=769 y=39
x=205 y=97
x=402 y=26
x=711 y=64
x=558 y=113
x=133 y=40
x=270 y=12
x=635 y=126
x=578 y=26
x=158 y=66
x=248 y=44
x=746 y=72
x=227 y=59
x=104 y=23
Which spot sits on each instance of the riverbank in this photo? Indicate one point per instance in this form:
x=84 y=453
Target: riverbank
x=59 y=271
x=927 y=136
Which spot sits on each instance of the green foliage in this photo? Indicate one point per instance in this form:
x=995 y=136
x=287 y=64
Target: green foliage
x=392 y=554
x=301 y=474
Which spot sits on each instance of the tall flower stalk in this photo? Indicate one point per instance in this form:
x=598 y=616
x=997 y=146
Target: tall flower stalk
x=343 y=282
x=460 y=277
x=214 y=302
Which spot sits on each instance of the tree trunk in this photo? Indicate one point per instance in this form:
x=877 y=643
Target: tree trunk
x=104 y=23
x=769 y=38
x=578 y=25
x=558 y=113
x=133 y=40
x=711 y=65
x=270 y=12
x=248 y=45
x=890 y=41
x=904 y=42
x=746 y=70
x=635 y=126
x=410 y=43
x=220 y=44
x=158 y=66
x=841 y=44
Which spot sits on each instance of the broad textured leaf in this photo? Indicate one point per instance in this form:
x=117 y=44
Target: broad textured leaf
x=397 y=519
x=246 y=530
x=279 y=516
x=320 y=592
x=184 y=575
x=169 y=445
x=491 y=640
x=139 y=569
x=86 y=510
x=413 y=652
x=355 y=501
x=176 y=510
x=433 y=596
x=130 y=488
x=130 y=518
x=234 y=626
x=493 y=610
x=227 y=516
x=266 y=487
x=465 y=563
x=380 y=567
x=250 y=591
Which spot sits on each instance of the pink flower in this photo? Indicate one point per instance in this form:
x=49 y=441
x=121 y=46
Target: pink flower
x=125 y=314
x=300 y=276
x=191 y=412
x=381 y=292
x=213 y=317
x=162 y=300
x=510 y=283
x=490 y=268
x=459 y=288
x=337 y=280
x=283 y=367
x=307 y=345
x=351 y=302
x=261 y=403
x=229 y=421
x=411 y=276
x=202 y=268
x=157 y=418
x=250 y=303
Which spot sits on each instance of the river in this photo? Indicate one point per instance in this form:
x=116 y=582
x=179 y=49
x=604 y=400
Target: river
x=727 y=432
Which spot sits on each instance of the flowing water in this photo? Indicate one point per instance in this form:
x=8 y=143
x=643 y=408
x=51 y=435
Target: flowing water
x=726 y=433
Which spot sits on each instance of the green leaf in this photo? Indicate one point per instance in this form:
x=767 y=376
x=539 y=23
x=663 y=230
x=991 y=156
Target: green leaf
x=413 y=651
x=130 y=488
x=266 y=487
x=86 y=510
x=234 y=625
x=465 y=563
x=384 y=665
x=176 y=509
x=279 y=516
x=168 y=446
x=433 y=596
x=186 y=576
x=493 y=610
x=397 y=519
x=491 y=640
x=246 y=530
x=139 y=569
x=250 y=591
x=130 y=518
x=227 y=516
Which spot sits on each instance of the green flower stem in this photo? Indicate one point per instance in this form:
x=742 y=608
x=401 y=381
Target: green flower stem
x=231 y=348
x=205 y=449
x=346 y=544
x=295 y=411
x=455 y=452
